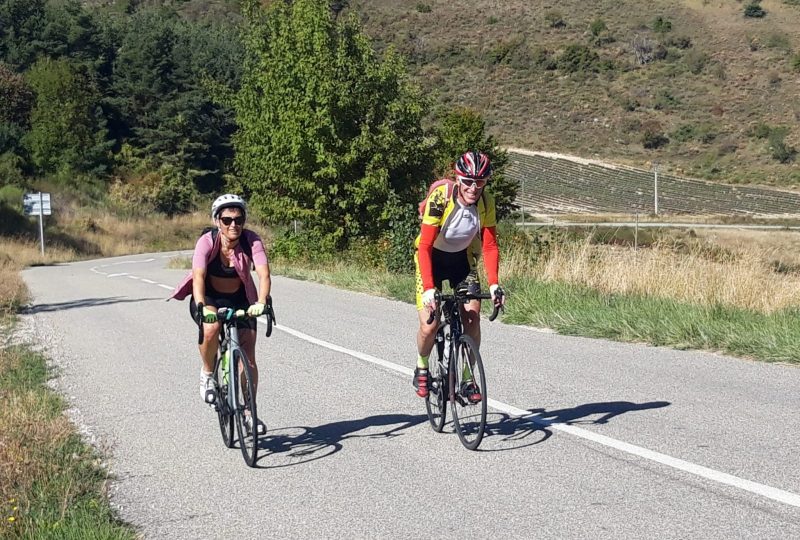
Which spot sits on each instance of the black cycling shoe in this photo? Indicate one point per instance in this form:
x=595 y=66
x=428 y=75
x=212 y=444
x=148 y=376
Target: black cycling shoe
x=471 y=392
x=420 y=382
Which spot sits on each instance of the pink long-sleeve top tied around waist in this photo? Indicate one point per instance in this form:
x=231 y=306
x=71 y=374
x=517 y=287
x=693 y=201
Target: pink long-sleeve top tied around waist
x=207 y=248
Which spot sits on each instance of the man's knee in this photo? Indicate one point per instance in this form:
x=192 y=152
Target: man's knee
x=427 y=330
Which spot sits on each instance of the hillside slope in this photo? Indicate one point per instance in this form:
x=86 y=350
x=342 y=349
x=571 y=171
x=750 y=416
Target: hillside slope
x=719 y=100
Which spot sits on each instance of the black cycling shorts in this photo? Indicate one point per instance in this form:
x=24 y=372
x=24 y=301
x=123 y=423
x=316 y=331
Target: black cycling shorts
x=237 y=300
x=451 y=267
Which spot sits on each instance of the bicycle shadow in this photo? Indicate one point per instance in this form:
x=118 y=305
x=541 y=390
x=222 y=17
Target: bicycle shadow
x=86 y=302
x=512 y=429
x=295 y=445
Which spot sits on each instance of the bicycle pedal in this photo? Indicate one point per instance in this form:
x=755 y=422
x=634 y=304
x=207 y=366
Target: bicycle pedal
x=211 y=396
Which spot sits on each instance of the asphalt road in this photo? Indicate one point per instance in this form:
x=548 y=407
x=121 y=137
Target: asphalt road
x=587 y=438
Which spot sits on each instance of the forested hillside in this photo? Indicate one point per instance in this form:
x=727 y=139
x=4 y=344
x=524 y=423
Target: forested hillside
x=136 y=103
x=708 y=88
x=156 y=106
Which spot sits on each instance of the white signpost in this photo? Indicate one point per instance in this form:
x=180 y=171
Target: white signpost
x=37 y=204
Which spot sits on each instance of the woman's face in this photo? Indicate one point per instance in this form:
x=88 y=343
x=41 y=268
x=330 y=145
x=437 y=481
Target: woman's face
x=231 y=222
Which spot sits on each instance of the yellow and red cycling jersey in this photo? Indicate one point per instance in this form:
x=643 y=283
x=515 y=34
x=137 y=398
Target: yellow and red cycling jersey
x=438 y=209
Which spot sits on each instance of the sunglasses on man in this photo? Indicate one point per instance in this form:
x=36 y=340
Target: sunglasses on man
x=227 y=220
x=469 y=182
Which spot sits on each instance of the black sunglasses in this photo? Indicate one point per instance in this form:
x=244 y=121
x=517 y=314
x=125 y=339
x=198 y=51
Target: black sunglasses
x=227 y=220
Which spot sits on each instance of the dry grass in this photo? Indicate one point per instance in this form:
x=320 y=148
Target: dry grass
x=13 y=293
x=107 y=235
x=180 y=263
x=51 y=483
x=744 y=279
x=17 y=253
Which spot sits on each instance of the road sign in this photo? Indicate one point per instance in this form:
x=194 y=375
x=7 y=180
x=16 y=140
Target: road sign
x=36 y=204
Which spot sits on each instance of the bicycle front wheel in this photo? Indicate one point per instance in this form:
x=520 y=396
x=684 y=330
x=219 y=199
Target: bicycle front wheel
x=436 y=402
x=469 y=405
x=224 y=412
x=245 y=400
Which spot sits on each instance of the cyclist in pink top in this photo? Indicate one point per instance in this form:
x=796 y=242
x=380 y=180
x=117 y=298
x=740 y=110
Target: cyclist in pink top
x=221 y=277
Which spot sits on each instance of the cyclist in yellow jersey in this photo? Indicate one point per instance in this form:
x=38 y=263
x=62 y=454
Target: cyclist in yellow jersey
x=459 y=225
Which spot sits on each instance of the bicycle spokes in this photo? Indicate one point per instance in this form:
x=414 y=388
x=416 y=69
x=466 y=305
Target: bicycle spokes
x=469 y=406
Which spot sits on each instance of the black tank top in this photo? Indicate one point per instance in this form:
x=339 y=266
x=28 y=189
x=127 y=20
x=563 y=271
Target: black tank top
x=217 y=269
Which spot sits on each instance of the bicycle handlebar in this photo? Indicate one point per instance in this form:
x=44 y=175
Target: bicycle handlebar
x=466 y=297
x=230 y=316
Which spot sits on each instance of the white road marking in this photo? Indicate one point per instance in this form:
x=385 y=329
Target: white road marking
x=117 y=275
x=769 y=492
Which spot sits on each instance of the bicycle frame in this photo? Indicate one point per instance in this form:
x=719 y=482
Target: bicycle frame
x=452 y=319
x=229 y=341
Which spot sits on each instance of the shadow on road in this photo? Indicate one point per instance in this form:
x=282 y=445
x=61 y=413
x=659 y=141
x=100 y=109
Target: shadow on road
x=301 y=444
x=85 y=302
x=521 y=431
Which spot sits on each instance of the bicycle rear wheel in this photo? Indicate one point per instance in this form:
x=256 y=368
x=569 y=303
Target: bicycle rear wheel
x=469 y=415
x=436 y=402
x=224 y=412
x=245 y=399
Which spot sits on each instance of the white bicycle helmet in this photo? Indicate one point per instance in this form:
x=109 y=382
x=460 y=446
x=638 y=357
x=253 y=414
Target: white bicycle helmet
x=227 y=201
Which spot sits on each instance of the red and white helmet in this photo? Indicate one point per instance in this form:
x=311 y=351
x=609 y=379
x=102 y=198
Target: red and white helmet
x=473 y=164
x=228 y=200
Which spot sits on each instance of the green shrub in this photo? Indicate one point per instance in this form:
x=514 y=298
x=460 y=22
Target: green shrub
x=404 y=227
x=11 y=170
x=779 y=150
x=662 y=25
x=167 y=190
x=679 y=42
x=653 y=136
x=778 y=40
x=578 y=58
x=543 y=59
x=794 y=62
x=695 y=61
x=301 y=246
x=503 y=51
x=760 y=131
x=12 y=196
x=754 y=10
x=492 y=20
x=555 y=19
x=597 y=27
x=423 y=8
x=665 y=101
x=684 y=133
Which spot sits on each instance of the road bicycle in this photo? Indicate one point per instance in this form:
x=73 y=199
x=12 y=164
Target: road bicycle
x=233 y=394
x=457 y=364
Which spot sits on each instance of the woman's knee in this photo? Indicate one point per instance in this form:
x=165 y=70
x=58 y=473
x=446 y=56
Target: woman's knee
x=210 y=331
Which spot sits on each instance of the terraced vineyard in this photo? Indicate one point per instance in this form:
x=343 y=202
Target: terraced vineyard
x=555 y=184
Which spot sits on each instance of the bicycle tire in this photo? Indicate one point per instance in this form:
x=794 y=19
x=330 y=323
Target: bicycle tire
x=436 y=402
x=245 y=398
x=469 y=417
x=224 y=412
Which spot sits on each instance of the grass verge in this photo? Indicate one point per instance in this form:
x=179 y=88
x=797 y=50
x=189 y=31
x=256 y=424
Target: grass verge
x=578 y=310
x=52 y=484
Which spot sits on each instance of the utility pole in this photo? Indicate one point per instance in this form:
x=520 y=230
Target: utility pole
x=655 y=186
